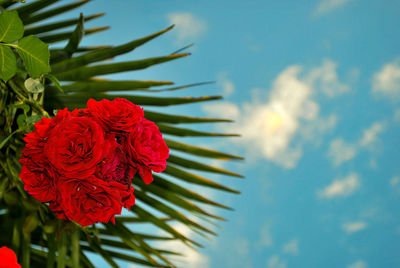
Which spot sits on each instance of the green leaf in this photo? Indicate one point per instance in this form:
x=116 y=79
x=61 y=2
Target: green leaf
x=58 y=37
x=195 y=150
x=196 y=179
x=58 y=25
x=55 y=81
x=29 y=19
x=184 y=132
x=105 y=53
x=177 y=119
x=34 y=85
x=11 y=27
x=83 y=73
x=184 y=162
x=8 y=63
x=35 y=55
x=108 y=86
x=76 y=37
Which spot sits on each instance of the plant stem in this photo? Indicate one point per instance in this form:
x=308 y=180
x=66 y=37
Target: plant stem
x=51 y=255
x=75 y=247
x=26 y=250
x=62 y=249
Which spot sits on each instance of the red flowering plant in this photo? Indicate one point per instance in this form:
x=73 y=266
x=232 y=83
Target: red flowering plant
x=82 y=162
x=8 y=259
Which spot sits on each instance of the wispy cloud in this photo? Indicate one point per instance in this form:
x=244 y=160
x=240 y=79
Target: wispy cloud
x=341 y=187
x=386 y=82
x=188 y=27
x=291 y=247
x=265 y=237
x=327 y=6
x=353 y=227
x=358 y=264
x=276 y=262
x=370 y=135
x=341 y=151
x=276 y=126
x=225 y=83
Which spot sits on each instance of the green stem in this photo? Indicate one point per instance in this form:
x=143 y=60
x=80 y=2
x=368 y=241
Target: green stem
x=62 y=249
x=75 y=247
x=51 y=255
x=26 y=250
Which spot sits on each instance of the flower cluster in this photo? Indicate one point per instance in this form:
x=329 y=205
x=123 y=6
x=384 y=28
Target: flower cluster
x=83 y=162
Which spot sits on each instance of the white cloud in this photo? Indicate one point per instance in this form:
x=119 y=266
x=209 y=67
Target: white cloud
x=371 y=133
x=387 y=80
x=225 y=83
x=265 y=237
x=188 y=28
x=395 y=181
x=190 y=258
x=340 y=151
x=326 y=6
x=277 y=126
x=358 y=264
x=341 y=187
x=353 y=227
x=276 y=262
x=396 y=115
x=291 y=247
x=326 y=79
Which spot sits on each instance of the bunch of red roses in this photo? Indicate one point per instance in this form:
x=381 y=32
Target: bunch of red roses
x=83 y=162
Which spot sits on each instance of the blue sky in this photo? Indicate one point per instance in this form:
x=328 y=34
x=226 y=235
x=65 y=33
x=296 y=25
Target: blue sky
x=314 y=88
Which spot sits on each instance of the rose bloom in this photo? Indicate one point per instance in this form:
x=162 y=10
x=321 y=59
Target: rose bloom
x=92 y=200
x=147 y=149
x=8 y=259
x=117 y=115
x=76 y=146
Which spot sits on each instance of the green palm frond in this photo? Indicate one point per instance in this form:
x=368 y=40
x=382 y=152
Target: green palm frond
x=30 y=227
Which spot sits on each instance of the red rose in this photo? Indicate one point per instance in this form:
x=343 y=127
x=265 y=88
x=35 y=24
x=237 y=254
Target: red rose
x=92 y=200
x=38 y=182
x=76 y=146
x=117 y=115
x=147 y=149
x=8 y=259
x=115 y=167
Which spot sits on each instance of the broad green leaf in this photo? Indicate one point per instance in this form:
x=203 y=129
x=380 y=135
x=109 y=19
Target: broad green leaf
x=11 y=27
x=83 y=73
x=8 y=63
x=76 y=37
x=35 y=55
x=105 y=53
x=34 y=85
